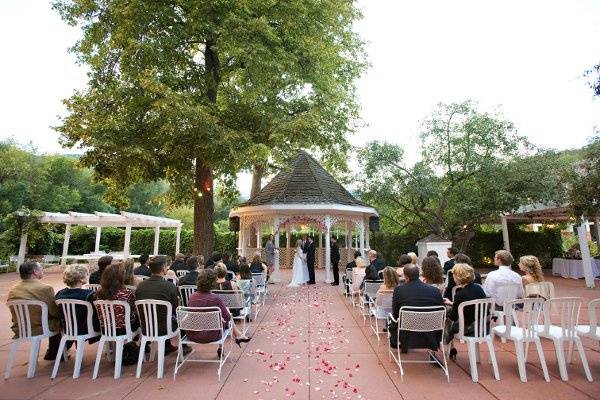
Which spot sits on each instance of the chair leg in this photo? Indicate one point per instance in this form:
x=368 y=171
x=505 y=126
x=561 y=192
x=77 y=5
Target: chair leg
x=138 y=371
x=540 y=351
x=118 y=358
x=161 y=359
x=33 y=357
x=473 y=360
x=11 y=359
x=490 y=345
x=521 y=360
x=477 y=353
x=526 y=351
x=98 y=357
x=584 y=361
x=560 y=357
x=61 y=349
x=570 y=356
x=78 y=358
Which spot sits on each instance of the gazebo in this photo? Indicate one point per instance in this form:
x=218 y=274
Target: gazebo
x=305 y=195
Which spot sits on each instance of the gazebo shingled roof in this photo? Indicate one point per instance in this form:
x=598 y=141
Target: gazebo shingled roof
x=304 y=181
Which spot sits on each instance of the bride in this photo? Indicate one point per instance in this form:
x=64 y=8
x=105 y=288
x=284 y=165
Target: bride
x=300 y=270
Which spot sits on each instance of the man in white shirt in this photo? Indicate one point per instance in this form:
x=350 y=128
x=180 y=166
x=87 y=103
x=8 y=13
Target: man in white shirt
x=495 y=285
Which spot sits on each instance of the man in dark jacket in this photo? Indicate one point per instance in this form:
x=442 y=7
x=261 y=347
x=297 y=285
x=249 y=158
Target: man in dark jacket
x=157 y=288
x=451 y=253
x=179 y=263
x=103 y=262
x=417 y=294
x=143 y=269
x=191 y=277
x=309 y=249
x=376 y=264
x=335 y=261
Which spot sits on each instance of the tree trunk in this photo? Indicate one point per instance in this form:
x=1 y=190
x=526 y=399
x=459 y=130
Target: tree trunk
x=257 y=174
x=204 y=207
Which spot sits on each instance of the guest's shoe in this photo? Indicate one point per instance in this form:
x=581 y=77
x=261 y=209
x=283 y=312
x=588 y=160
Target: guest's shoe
x=219 y=352
x=335 y=284
x=169 y=348
x=453 y=354
x=49 y=357
x=240 y=340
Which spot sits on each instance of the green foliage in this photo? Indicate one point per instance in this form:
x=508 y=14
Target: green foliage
x=584 y=191
x=392 y=245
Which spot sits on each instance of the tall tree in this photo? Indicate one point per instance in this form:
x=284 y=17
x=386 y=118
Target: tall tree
x=584 y=188
x=473 y=167
x=166 y=78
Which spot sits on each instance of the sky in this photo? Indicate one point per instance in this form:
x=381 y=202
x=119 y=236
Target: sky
x=524 y=59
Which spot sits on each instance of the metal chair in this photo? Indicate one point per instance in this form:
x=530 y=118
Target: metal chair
x=523 y=331
x=420 y=320
x=347 y=281
x=367 y=297
x=171 y=279
x=93 y=286
x=380 y=309
x=592 y=330
x=234 y=300
x=182 y=272
x=149 y=318
x=185 y=291
x=260 y=280
x=200 y=319
x=22 y=312
x=356 y=278
x=71 y=331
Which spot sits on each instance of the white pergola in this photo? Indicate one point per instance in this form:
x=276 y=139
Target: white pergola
x=544 y=214
x=99 y=220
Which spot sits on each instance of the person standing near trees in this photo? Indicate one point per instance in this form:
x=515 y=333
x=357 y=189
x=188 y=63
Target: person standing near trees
x=270 y=255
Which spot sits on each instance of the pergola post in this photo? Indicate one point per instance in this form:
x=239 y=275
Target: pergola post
x=244 y=242
x=368 y=236
x=22 y=249
x=156 y=239
x=505 y=237
x=258 y=236
x=127 y=241
x=288 y=237
x=348 y=241
x=65 y=250
x=275 y=276
x=98 y=236
x=585 y=254
x=177 y=239
x=328 y=276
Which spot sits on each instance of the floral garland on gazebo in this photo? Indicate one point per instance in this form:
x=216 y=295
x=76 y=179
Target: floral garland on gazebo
x=303 y=220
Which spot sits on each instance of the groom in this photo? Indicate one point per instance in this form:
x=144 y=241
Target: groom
x=309 y=250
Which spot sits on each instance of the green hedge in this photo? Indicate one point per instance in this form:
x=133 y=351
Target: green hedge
x=392 y=245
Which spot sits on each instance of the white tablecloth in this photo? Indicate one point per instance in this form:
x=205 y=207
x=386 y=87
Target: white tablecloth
x=573 y=268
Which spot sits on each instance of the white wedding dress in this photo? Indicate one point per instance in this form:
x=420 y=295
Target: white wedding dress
x=300 y=269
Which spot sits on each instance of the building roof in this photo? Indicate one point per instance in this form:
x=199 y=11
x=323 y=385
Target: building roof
x=303 y=181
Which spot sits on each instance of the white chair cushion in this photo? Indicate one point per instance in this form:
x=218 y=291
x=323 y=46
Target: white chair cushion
x=515 y=332
x=584 y=330
x=554 y=331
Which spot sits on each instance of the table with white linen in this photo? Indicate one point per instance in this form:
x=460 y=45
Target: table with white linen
x=568 y=268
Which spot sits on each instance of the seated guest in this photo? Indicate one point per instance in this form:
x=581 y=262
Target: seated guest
x=143 y=268
x=417 y=294
x=502 y=276
x=433 y=253
x=194 y=264
x=173 y=274
x=179 y=263
x=464 y=275
x=204 y=298
x=257 y=266
x=222 y=282
x=230 y=264
x=130 y=278
x=350 y=266
x=375 y=265
x=358 y=274
x=157 y=288
x=245 y=282
x=413 y=257
x=31 y=288
x=75 y=276
x=403 y=261
x=112 y=287
x=460 y=258
x=432 y=272
x=451 y=253
x=390 y=281
x=532 y=268
x=103 y=262
x=214 y=259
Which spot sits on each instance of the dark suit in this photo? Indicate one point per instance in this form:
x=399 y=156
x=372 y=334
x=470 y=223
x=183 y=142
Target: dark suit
x=372 y=271
x=452 y=283
x=448 y=265
x=142 y=270
x=309 y=249
x=335 y=261
x=418 y=294
x=157 y=288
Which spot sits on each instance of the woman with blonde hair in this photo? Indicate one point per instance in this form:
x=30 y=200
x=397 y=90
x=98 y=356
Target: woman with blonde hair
x=358 y=274
x=390 y=280
x=532 y=268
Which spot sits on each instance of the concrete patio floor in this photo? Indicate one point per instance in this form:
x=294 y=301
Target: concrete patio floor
x=308 y=343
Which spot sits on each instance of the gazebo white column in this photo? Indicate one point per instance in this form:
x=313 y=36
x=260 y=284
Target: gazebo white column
x=362 y=238
x=177 y=239
x=328 y=276
x=156 y=240
x=368 y=235
x=258 y=235
x=585 y=254
x=244 y=241
x=65 y=250
x=22 y=249
x=505 y=233
x=348 y=242
x=127 y=241
x=98 y=236
x=276 y=275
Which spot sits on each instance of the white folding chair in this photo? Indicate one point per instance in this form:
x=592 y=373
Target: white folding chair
x=260 y=280
x=234 y=300
x=348 y=282
x=355 y=293
x=131 y=287
x=380 y=309
x=70 y=331
x=92 y=286
x=523 y=331
x=592 y=330
x=508 y=292
x=542 y=289
x=185 y=291
x=171 y=279
x=481 y=333
x=200 y=319
x=22 y=312
x=182 y=272
x=148 y=310
x=107 y=315
x=142 y=277
x=568 y=315
x=420 y=320
x=367 y=297
x=251 y=295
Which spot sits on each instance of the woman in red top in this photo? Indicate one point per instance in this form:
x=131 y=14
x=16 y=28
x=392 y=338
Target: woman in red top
x=113 y=288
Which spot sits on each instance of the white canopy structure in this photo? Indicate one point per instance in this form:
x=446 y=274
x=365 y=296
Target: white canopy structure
x=304 y=195
x=98 y=220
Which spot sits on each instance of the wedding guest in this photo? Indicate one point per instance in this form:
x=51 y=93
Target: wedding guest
x=335 y=260
x=375 y=265
x=433 y=253
x=222 y=282
x=390 y=281
x=432 y=272
x=194 y=265
x=352 y=263
x=230 y=264
x=214 y=259
x=143 y=267
x=179 y=263
x=532 y=268
x=172 y=274
x=502 y=276
x=257 y=266
x=103 y=262
x=413 y=257
x=451 y=253
x=112 y=287
x=358 y=274
x=130 y=278
x=31 y=288
x=403 y=261
x=460 y=258
x=245 y=282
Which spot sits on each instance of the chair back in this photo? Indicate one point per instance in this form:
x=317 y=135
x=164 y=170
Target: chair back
x=131 y=287
x=142 y=277
x=567 y=314
x=108 y=317
x=371 y=288
x=525 y=314
x=593 y=316
x=171 y=279
x=185 y=291
x=481 y=310
x=507 y=292
x=182 y=272
x=454 y=290
x=260 y=280
x=233 y=299
x=22 y=312
x=349 y=274
x=69 y=316
x=199 y=319
x=542 y=289
x=149 y=317
x=380 y=274
x=93 y=286
x=422 y=319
